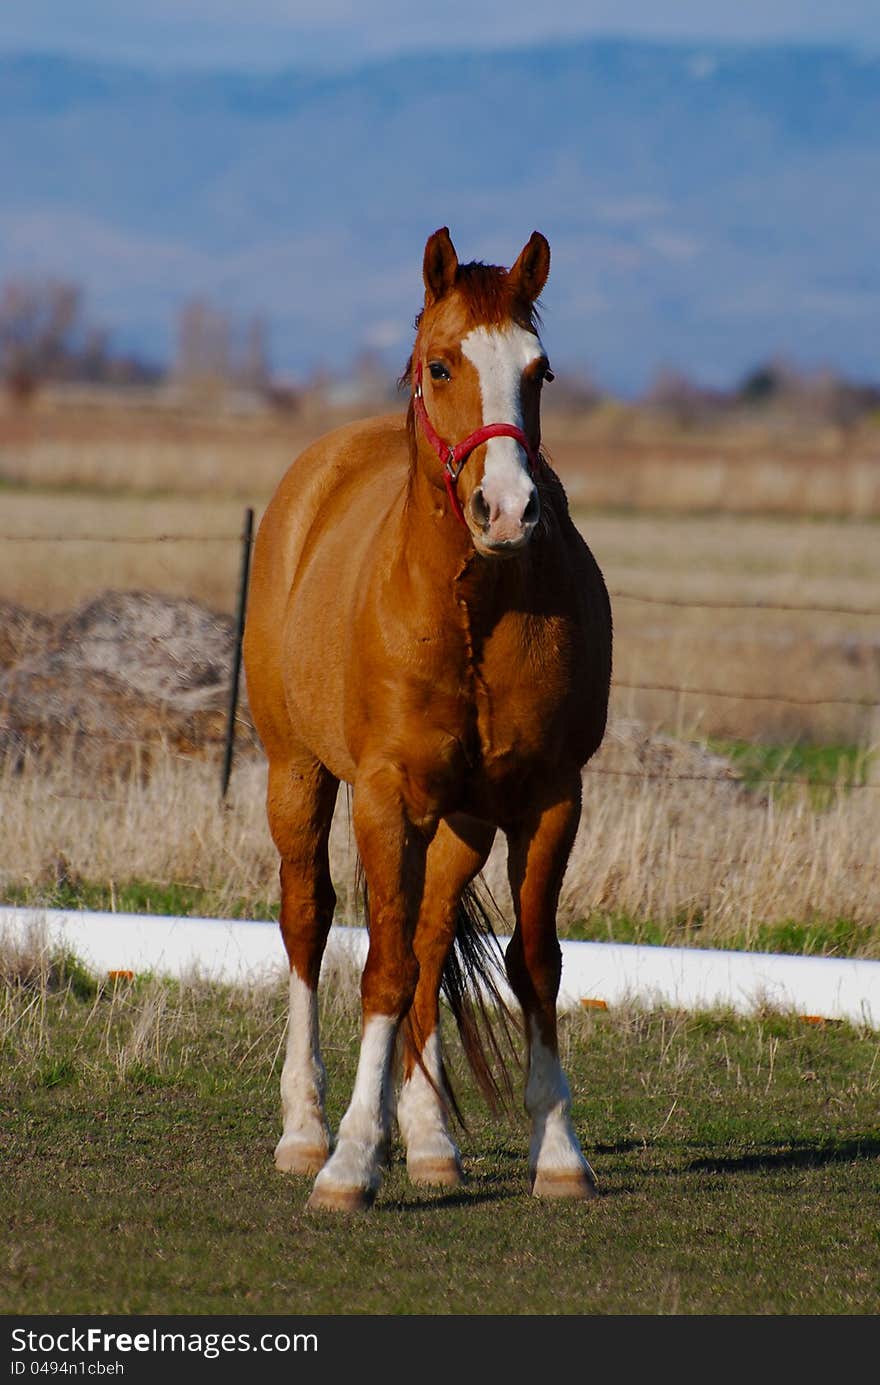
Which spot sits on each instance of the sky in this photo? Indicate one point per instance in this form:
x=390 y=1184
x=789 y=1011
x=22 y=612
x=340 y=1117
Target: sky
x=332 y=33
x=254 y=35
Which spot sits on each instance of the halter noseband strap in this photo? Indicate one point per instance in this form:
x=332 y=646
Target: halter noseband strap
x=454 y=456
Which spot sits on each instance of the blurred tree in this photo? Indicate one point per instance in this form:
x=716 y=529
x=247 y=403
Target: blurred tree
x=40 y=323
x=202 y=346
x=815 y=397
x=684 y=400
x=253 y=371
x=44 y=337
x=767 y=383
x=214 y=353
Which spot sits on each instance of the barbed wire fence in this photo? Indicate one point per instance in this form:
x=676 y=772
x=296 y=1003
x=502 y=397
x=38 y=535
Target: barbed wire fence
x=245 y=539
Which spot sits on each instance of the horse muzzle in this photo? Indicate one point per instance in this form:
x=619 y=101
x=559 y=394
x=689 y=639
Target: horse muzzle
x=500 y=530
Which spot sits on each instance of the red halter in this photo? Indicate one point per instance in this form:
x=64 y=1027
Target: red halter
x=454 y=456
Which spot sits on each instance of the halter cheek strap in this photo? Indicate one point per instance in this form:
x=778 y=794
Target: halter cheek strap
x=454 y=455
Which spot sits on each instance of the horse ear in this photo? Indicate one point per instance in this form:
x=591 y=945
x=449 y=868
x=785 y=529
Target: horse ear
x=529 y=274
x=440 y=265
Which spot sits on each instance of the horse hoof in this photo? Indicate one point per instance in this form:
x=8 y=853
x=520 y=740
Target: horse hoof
x=438 y=1173
x=576 y=1184
x=293 y=1157
x=328 y=1198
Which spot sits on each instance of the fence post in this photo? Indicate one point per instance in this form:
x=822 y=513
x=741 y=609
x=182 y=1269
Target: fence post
x=246 y=542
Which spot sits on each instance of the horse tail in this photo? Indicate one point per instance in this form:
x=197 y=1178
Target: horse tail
x=474 y=980
x=473 y=983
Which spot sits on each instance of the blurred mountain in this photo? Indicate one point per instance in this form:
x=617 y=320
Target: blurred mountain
x=706 y=206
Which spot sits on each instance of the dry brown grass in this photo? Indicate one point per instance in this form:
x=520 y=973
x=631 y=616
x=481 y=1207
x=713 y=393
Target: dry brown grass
x=714 y=477
x=806 y=655
x=686 y=853
x=77 y=546
x=612 y=457
x=149 y=450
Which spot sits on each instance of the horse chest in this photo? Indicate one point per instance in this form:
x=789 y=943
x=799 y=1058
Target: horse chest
x=519 y=710
x=508 y=718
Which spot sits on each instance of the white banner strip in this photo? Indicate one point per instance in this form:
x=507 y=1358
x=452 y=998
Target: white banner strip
x=592 y=973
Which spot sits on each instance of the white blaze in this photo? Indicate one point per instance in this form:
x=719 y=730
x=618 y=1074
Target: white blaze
x=500 y=355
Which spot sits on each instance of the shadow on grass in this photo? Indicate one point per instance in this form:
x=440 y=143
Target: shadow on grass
x=793 y=1157
x=618 y=1147
x=442 y=1202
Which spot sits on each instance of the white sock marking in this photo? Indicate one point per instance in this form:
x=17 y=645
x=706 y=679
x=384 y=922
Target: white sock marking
x=554 y=1147
x=303 y=1077
x=420 y=1112
x=357 y=1159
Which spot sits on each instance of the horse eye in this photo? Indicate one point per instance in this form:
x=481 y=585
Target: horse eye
x=438 y=371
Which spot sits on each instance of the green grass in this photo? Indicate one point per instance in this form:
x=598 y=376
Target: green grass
x=828 y=767
x=170 y=899
x=739 y=1162
x=831 y=768
x=817 y=937
x=820 y=936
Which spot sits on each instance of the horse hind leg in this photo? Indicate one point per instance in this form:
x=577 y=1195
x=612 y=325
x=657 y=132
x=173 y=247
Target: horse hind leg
x=300 y=801
x=537 y=856
x=457 y=853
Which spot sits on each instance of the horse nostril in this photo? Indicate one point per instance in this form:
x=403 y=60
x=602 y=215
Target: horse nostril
x=532 y=510
x=480 y=509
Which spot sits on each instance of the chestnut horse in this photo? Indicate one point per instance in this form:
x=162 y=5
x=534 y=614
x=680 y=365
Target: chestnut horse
x=426 y=624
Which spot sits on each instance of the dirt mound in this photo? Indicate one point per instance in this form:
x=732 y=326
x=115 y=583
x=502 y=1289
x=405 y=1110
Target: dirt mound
x=631 y=750
x=116 y=677
x=21 y=633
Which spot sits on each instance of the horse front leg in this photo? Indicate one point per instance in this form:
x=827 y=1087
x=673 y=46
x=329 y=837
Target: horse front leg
x=538 y=852
x=457 y=853
x=300 y=800
x=393 y=853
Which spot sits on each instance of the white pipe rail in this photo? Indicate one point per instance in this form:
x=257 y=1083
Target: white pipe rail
x=600 y=974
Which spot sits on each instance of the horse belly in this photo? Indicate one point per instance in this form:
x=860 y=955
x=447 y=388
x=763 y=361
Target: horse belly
x=317 y=637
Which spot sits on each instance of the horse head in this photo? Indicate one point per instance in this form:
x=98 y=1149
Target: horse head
x=476 y=371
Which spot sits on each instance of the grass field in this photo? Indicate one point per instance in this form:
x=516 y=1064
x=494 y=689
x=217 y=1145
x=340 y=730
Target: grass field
x=704 y=863
x=667 y=852
x=739 y=1161
x=738 y=1166
x=614 y=457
